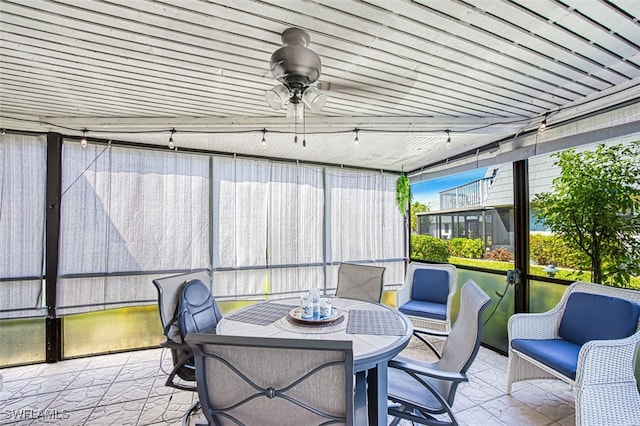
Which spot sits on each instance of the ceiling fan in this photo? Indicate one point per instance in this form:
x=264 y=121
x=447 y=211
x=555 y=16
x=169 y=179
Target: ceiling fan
x=296 y=67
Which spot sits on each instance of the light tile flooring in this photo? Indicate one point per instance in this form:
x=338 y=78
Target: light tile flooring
x=128 y=389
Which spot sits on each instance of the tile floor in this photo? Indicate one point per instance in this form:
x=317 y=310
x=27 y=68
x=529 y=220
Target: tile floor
x=128 y=389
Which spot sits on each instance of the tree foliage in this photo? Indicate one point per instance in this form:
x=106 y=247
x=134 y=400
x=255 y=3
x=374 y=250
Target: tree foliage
x=594 y=208
x=417 y=207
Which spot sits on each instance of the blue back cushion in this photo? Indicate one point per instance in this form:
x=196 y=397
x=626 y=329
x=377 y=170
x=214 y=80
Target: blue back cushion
x=430 y=285
x=590 y=316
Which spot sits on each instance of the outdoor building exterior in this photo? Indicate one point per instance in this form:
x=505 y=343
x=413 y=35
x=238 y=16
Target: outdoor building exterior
x=484 y=208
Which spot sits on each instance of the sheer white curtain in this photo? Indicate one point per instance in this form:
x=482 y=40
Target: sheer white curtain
x=240 y=190
x=295 y=233
x=277 y=225
x=265 y=228
x=363 y=221
x=125 y=212
x=23 y=165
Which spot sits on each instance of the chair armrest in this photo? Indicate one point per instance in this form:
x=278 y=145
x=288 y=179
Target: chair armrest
x=534 y=326
x=170 y=344
x=430 y=332
x=424 y=370
x=403 y=294
x=607 y=361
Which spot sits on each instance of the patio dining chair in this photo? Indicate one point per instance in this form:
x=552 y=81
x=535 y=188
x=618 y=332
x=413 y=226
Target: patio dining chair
x=424 y=392
x=361 y=282
x=185 y=304
x=425 y=298
x=268 y=381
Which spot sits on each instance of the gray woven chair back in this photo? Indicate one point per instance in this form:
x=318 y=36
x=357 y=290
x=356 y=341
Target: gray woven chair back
x=263 y=381
x=463 y=343
x=362 y=282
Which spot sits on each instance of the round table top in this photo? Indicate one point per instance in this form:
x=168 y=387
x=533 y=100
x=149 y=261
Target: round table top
x=368 y=349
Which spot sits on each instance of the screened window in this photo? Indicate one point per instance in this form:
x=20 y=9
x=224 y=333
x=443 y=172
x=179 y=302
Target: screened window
x=569 y=253
x=470 y=213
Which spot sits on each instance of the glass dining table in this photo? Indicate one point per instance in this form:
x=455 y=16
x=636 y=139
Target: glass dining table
x=378 y=333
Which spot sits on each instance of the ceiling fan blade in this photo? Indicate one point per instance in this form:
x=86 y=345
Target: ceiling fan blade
x=327 y=86
x=401 y=86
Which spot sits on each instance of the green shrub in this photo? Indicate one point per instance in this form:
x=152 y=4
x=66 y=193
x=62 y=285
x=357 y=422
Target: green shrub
x=472 y=248
x=465 y=247
x=426 y=247
x=456 y=246
x=550 y=249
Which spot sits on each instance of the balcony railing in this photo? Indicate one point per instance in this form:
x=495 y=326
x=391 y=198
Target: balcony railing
x=472 y=194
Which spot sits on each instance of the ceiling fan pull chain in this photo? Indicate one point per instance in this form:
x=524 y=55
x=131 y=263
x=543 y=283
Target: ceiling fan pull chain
x=304 y=127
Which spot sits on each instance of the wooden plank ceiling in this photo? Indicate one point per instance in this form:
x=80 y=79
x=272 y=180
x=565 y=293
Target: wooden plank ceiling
x=402 y=72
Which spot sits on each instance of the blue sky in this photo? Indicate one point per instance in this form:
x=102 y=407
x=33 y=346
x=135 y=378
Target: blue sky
x=427 y=191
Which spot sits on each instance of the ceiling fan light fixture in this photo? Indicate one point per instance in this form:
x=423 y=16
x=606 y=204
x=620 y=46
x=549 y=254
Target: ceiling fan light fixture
x=277 y=96
x=296 y=67
x=295 y=64
x=295 y=110
x=314 y=99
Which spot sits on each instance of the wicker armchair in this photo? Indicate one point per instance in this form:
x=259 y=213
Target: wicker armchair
x=425 y=298
x=606 y=391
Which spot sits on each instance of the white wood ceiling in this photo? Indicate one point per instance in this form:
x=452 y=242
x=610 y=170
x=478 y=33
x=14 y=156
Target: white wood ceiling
x=402 y=71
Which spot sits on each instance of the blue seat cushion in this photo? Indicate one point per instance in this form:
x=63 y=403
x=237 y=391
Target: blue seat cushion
x=424 y=309
x=430 y=285
x=589 y=316
x=558 y=354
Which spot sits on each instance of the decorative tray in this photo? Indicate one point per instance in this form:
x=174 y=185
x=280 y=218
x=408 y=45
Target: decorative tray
x=295 y=316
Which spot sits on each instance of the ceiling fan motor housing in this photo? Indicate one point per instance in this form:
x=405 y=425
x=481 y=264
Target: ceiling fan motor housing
x=295 y=65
